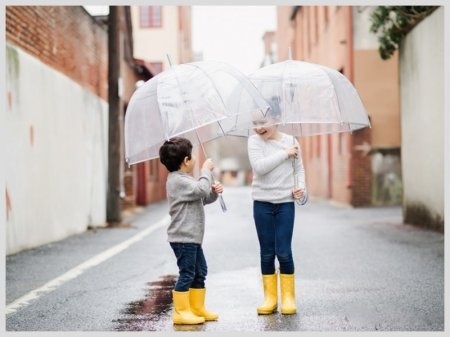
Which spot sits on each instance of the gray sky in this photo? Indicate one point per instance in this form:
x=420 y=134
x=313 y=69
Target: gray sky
x=97 y=10
x=231 y=34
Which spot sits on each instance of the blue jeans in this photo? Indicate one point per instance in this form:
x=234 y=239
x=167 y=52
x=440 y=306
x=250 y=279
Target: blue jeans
x=274 y=226
x=191 y=265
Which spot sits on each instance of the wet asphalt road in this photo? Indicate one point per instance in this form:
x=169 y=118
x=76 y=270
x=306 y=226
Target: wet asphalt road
x=356 y=270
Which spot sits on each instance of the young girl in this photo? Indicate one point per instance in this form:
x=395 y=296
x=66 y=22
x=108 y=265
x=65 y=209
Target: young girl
x=271 y=153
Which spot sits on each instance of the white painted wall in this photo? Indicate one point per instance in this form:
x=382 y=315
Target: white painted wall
x=57 y=185
x=362 y=37
x=422 y=114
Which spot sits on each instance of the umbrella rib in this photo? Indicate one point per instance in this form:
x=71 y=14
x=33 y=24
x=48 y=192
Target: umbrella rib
x=194 y=121
x=164 y=120
x=283 y=121
x=215 y=88
x=283 y=92
x=217 y=91
x=185 y=101
x=335 y=94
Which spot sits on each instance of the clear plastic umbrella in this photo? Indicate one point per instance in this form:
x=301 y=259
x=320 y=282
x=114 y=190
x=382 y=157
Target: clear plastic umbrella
x=306 y=99
x=192 y=100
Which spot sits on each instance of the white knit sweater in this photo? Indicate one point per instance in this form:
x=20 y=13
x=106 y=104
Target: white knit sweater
x=273 y=174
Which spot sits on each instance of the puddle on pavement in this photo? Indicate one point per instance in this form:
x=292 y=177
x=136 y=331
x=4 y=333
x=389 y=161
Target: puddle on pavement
x=154 y=313
x=147 y=314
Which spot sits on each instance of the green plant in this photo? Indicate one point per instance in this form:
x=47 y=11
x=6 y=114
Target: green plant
x=392 y=23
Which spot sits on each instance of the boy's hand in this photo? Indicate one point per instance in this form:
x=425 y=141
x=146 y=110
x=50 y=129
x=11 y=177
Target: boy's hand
x=298 y=193
x=217 y=187
x=208 y=165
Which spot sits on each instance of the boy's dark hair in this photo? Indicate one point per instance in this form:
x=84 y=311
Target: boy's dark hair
x=173 y=152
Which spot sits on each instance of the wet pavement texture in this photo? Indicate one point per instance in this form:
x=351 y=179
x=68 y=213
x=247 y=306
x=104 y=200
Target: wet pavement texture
x=356 y=270
x=145 y=314
x=154 y=313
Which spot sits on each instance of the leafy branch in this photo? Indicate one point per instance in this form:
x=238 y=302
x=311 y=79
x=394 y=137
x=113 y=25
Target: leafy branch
x=392 y=23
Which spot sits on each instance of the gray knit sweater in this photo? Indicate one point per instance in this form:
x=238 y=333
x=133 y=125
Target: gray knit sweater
x=273 y=173
x=186 y=197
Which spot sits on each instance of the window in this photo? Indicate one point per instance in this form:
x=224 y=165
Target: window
x=150 y=16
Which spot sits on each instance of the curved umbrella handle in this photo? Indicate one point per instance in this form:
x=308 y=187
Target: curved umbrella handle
x=222 y=203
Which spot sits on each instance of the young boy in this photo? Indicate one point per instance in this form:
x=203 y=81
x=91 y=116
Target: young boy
x=186 y=197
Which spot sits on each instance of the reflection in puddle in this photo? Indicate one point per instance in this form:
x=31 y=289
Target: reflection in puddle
x=187 y=327
x=144 y=315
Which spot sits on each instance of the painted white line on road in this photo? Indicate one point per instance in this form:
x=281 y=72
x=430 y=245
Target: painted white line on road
x=81 y=268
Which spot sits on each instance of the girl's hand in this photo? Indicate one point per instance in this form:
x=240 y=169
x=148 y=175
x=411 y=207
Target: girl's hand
x=298 y=193
x=292 y=152
x=217 y=187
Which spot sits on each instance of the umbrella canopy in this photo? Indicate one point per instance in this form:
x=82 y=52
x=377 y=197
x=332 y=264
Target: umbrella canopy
x=192 y=100
x=308 y=99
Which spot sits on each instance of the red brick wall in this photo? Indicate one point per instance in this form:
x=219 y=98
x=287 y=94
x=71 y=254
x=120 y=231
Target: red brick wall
x=66 y=38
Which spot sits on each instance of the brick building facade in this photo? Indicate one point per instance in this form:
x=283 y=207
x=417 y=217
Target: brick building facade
x=158 y=31
x=339 y=166
x=75 y=43
x=56 y=123
x=64 y=37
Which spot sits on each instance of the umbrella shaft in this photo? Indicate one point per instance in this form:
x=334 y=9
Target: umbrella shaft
x=222 y=202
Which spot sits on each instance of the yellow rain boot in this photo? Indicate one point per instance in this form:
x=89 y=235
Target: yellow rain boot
x=197 y=301
x=270 y=295
x=182 y=313
x=288 y=306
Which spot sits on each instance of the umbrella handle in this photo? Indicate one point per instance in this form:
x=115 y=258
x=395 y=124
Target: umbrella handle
x=222 y=203
x=293 y=162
